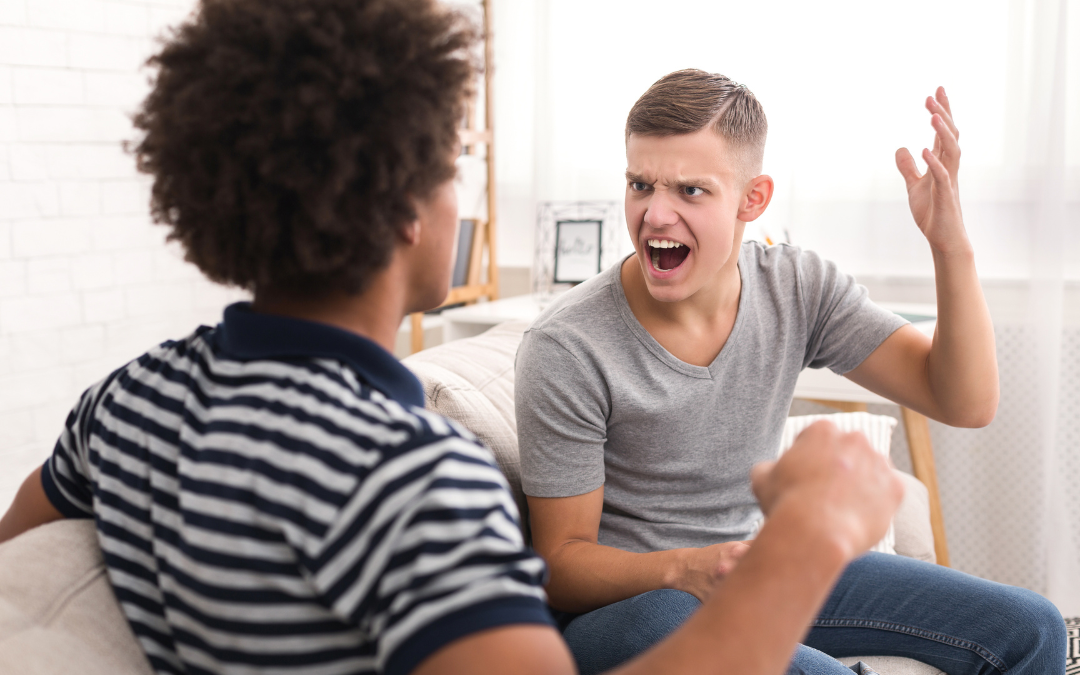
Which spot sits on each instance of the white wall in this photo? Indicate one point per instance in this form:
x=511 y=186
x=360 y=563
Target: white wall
x=86 y=282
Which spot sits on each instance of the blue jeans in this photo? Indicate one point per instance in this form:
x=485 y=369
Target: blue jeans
x=884 y=605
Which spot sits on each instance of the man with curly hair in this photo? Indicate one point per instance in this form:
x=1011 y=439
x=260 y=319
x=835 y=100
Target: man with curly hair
x=269 y=493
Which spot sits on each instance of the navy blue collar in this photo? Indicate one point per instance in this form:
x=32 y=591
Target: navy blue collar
x=247 y=335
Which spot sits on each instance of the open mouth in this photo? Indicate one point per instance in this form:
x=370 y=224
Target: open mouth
x=666 y=255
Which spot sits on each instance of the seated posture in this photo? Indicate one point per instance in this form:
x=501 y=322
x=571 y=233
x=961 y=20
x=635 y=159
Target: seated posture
x=269 y=493
x=645 y=395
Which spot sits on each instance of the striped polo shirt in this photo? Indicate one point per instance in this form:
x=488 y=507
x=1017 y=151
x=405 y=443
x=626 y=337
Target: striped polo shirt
x=271 y=496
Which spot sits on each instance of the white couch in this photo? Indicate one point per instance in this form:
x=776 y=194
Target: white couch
x=57 y=610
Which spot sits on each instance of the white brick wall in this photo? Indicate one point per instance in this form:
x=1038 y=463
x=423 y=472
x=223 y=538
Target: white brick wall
x=86 y=281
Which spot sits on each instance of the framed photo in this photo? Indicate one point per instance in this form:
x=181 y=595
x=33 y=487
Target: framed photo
x=575 y=241
x=577 y=250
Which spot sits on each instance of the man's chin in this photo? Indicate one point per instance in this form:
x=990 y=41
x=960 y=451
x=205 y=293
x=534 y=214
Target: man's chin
x=430 y=300
x=667 y=292
x=666 y=285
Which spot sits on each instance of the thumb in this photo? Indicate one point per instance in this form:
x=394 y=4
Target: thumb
x=906 y=163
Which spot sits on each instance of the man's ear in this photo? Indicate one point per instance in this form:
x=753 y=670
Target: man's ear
x=756 y=198
x=410 y=232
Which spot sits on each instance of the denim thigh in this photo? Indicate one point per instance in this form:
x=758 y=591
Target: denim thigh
x=890 y=605
x=882 y=605
x=605 y=638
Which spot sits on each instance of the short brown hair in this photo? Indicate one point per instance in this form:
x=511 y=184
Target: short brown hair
x=289 y=139
x=688 y=100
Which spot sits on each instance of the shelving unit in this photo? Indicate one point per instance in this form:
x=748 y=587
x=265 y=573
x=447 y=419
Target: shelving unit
x=474 y=139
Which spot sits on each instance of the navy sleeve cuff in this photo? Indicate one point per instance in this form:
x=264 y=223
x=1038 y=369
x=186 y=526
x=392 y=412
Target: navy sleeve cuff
x=56 y=496
x=490 y=614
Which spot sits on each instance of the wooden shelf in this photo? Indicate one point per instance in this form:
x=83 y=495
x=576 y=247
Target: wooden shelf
x=471 y=137
x=469 y=294
x=477 y=284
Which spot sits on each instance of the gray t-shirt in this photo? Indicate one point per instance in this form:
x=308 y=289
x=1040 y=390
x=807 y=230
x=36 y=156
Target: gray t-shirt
x=600 y=402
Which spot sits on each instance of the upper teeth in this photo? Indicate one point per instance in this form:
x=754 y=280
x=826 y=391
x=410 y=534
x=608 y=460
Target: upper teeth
x=664 y=243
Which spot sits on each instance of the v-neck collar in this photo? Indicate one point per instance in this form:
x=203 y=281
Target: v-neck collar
x=658 y=350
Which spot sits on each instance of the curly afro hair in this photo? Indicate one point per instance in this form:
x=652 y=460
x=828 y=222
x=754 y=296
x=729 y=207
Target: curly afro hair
x=289 y=139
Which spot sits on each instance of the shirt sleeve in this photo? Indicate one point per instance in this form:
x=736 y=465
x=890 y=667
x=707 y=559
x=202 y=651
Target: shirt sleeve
x=561 y=418
x=843 y=325
x=428 y=550
x=65 y=477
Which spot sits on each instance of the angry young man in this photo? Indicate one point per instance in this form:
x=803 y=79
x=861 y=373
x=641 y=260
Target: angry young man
x=644 y=396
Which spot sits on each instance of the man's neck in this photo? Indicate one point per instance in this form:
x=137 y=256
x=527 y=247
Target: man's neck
x=375 y=314
x=696 y=328
x=718 y=298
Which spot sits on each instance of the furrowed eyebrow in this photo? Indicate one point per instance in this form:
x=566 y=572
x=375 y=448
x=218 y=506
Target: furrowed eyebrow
x=632 y=177
x=697 y=182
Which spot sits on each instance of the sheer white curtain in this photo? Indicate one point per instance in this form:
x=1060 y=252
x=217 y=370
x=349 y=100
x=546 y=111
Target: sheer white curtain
x=1054 y=198
x=843 y=83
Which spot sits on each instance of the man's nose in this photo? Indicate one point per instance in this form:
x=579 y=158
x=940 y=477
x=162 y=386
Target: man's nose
x=661 y=210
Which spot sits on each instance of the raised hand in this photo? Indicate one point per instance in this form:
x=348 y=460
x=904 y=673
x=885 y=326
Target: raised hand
x=934 y=197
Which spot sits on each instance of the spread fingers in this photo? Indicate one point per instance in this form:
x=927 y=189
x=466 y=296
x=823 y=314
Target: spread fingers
x=946 y=142
x=906 y=163
x=940 y=105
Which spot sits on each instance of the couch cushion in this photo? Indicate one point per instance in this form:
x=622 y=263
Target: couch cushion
x=914 y=537
x=910 y=534
x=893 y=665
x=878 y=429
x=57 y=609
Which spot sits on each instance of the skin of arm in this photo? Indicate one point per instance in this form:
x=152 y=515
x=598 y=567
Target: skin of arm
x=954 y=377
x=586 y=575
x=30 y=509
x=827 y=500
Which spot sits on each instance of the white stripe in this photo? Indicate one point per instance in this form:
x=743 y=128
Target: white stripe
x=239 y=545
x=128 y=552
x=308 y=611
x=289 y=460
x=346 y=666
x=398 y=507
x=122 y=580
x=444 y=567
x=423 y=615
x=275 y=392
x=248 y=515
x=438 y=531
x=302 y=376
x=304 y=431
x=265 y=644
x=226 y=577
x=461 y=578
x=273 y=491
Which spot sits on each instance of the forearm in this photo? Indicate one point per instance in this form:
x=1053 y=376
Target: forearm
x=753 y=621
x=586 y=576
x=30 y=509
x=961 y=367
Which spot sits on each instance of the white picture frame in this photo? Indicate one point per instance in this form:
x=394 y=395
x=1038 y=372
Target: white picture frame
x=577 y=250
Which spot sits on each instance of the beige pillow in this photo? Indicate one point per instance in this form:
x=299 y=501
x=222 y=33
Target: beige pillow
x=877 y=428
x=58 y=613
